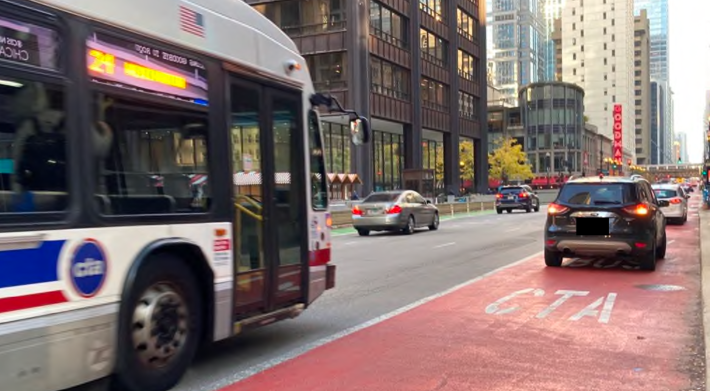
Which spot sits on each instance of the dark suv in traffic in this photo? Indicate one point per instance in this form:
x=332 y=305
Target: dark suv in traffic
x=517 y=197
x=606 y=217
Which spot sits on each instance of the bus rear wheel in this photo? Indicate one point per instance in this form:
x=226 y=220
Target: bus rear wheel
x=160 y=327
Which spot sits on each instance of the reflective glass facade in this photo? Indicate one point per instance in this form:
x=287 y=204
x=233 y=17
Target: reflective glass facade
x=658 y=19
x=553 y=118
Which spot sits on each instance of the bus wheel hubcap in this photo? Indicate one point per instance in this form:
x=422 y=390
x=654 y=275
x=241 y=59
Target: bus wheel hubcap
x=160 y=325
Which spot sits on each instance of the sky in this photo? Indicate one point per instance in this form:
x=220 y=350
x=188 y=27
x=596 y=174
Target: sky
x=690 y=69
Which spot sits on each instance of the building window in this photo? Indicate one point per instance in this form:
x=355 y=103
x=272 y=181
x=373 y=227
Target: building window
x=434 y=8
x=468 y=65
x=389 y=79
x=328 y=70
x=298 y=18
x=435 y=95
x=388 y=25
x=388 y=154
x=467 y=25
x=433 y=47
x=337 y=147
x=468 y=105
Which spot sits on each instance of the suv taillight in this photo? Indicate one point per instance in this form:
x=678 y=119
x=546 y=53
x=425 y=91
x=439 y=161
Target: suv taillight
x=555 y=209
x=638 y=210
x=675 y=201
x=357 y=211
x=523 y=195
x=499 y=195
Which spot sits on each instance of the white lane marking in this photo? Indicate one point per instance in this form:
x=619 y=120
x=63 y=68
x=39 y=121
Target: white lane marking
x=445 y=245
x=241 y=375
x=455 y=226
x=349 y=243
x=514 y=229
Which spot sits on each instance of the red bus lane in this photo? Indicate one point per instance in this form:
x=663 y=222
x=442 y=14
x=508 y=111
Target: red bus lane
x=591 y=325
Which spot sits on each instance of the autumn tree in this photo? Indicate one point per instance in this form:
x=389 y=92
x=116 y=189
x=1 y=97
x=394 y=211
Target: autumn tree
x=509 y=161
x=465 y=161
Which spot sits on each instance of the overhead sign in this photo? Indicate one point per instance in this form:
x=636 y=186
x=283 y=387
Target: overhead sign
x=618 y=148
x=126 y=64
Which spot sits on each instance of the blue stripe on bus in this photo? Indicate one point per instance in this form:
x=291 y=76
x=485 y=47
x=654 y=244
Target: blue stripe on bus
x=30 y=266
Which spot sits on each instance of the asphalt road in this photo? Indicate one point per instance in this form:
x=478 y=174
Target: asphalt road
x=376 y=275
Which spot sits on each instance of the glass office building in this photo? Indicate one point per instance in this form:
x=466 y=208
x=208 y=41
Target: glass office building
x=658 y=18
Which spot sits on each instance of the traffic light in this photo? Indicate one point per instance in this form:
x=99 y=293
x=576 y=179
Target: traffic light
x=628 y=162
x=679 y=161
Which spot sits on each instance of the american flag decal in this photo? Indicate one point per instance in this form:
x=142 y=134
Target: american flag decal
x=192 y=22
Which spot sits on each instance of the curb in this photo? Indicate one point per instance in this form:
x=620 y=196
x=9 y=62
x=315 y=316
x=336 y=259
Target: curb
x=704 y=217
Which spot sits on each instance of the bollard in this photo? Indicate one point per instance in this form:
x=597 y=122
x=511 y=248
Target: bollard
x=452 y=209
x=481 y=206
x=468 y=207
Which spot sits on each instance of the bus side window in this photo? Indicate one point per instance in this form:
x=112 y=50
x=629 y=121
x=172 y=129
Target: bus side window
x=157 y=160
x=33 y=166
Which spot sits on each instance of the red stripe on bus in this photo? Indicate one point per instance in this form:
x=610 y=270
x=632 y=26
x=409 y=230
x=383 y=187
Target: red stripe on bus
x=31 y=301
x=320 y=257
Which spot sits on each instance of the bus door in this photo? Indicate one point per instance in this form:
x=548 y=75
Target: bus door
x=270 y=243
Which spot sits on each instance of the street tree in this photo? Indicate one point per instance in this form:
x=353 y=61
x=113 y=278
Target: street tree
x=509 y=161
x=465 y=161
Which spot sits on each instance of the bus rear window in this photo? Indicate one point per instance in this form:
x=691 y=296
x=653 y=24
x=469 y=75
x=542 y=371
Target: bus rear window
x=596 y=193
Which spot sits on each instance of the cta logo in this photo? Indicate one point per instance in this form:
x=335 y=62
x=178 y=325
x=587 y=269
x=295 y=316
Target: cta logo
x=89 y=268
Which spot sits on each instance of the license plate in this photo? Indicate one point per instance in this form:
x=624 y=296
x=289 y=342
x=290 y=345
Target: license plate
x=592 y=226
x=510 y=197
x=373 y=212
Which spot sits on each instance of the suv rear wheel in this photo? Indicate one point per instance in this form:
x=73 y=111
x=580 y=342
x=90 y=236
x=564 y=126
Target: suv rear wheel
x=553 y=258
x=661 y=250
x=648 y=260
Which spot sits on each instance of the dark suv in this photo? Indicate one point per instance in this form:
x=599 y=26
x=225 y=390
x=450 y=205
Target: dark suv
x=606 y=217
x=517 y=197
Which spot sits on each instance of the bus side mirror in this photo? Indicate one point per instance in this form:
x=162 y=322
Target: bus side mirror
x=360 y=130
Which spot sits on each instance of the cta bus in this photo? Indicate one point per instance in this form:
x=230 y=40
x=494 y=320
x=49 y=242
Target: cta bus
x=162 y=186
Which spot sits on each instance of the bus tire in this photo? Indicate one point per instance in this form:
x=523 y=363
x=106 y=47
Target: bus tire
x=160 y=326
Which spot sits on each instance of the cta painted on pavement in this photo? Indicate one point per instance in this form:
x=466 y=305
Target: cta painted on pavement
x=590 y=325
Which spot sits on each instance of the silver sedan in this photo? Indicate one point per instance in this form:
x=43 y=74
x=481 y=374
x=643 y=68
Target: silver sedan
x=402 y=210
x=677 y=209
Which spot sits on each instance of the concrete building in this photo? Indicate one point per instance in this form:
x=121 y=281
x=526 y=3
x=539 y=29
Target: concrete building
x=518 y=44
x=642 y=88
x=598 y=55
x=416 y=69
x=706 y=127
x=556 y=38
x=682 y=147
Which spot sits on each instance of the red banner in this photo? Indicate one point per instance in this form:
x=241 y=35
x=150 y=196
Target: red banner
x=618 y=149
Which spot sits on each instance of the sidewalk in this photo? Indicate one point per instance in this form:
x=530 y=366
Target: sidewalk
x=593 y=325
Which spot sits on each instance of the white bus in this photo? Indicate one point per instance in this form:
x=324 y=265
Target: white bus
x=162 y=185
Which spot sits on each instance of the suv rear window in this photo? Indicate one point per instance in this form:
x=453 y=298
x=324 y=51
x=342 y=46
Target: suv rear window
x=665 y=193
x=382 y=197
x=596 y=194
x=509 y=190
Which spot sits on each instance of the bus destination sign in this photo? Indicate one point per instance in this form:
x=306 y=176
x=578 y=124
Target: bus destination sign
x=143 y=68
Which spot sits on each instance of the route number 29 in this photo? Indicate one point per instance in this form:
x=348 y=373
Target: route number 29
x=102 y=62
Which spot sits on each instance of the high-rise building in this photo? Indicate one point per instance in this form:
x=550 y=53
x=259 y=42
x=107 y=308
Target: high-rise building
x=414 y=68
x=598 y=55
x=681 y=153
x=706 y=128
x=642 y=87
x=656 y=124
x=658 y=18
x=519 y=44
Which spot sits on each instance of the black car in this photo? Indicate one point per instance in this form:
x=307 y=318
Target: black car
x=517 y=197
x=606 y=217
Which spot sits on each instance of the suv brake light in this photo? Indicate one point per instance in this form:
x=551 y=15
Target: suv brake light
x=639 y=210
x=357 y=211
x=675 y=201
x=499 y=195
x=394 y=210
x=554 y=209
x=523 y=195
